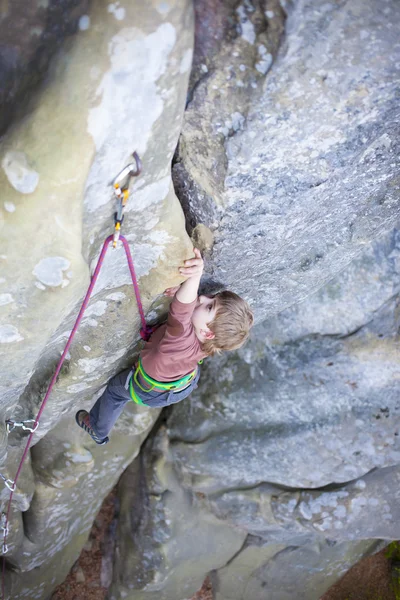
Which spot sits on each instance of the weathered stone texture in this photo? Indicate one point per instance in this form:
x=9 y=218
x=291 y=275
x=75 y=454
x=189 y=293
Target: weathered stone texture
x=276 y=573
x=320 y=381
x=301 y=193
x=30 y=33
x=119 y=85
x=306 y=173
x=285 y=459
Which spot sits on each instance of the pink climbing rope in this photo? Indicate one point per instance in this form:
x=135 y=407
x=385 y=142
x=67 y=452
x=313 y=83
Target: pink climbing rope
x=145 y=333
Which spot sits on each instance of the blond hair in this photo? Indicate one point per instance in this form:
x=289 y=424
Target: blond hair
x=231 y=324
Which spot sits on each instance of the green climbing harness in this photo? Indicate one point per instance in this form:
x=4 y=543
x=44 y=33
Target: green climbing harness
x=171 y=386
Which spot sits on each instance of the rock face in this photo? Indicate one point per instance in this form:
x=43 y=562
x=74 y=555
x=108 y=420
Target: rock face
x=30 y=34
x=281 y=471
x=301 y=192
x=303 y=174
x=319 y=381
x=119 y=85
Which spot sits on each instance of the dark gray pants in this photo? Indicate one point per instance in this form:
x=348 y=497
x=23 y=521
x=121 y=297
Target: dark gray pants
x=111 y=403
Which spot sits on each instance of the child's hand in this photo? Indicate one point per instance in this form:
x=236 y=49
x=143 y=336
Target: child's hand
x=193 y=266
x=171 y=291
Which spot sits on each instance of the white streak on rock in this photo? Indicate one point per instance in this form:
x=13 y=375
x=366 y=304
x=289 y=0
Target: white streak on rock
x=19 y=172
x=154 y=192
x=360 y=484
x=90 y=365
x=116 y=296
x=115 y=273
x=186 y=61
x=9 y=206
x=9 y=334
x=119 y=106
x=49 y=271
x=264 y=64
x=159 y=236
x=77 y=387
x=163 y=8
x=84 y=22
x=117 y=11
x=90 y=322
x=97 y=309
x=247 y=27
x=6 y=299
x=76 y=457
x=119 y=14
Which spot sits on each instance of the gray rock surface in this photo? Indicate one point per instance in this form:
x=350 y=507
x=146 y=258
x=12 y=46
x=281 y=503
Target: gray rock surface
x=178 y=538
x=365 y=508
x=299 y=407
x=119 y=85
x=173 y=544
x=30 y=34
x=309 y=173
x=320 y=382
x=276 y=573
x=302 y=196
x=285 y=460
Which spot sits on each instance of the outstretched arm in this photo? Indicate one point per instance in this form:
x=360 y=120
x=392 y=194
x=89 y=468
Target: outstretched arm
x=193 y=270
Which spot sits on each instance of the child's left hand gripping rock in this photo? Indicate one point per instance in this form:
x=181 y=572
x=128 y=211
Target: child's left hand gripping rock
x=193 y=266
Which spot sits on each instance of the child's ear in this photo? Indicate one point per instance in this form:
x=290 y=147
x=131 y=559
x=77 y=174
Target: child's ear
x=209 y=335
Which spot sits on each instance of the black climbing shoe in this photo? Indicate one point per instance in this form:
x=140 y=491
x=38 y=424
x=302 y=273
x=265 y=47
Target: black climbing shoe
x=82 y=419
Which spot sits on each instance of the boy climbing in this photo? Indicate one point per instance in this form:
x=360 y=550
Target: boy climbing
x=168 y=367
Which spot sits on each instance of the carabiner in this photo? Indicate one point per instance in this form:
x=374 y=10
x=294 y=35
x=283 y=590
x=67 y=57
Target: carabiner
x=122 y=180
x=11 y=425
x=31 y=429
x=121 y=189
x=8 y=483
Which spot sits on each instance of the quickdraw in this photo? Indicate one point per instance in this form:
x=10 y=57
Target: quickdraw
x=8 y=482
x=11 y=425
x=121 y=190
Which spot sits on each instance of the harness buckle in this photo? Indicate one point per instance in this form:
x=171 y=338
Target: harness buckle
x=121 y=190
x=4 y=548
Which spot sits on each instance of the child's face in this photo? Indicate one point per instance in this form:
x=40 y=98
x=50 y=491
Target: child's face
x=203 y=314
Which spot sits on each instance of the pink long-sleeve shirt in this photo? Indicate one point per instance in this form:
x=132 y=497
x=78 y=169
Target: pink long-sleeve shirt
x=173 y=350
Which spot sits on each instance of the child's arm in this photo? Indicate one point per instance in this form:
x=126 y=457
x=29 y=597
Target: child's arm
x=171 y=291
x=193 y=270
